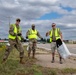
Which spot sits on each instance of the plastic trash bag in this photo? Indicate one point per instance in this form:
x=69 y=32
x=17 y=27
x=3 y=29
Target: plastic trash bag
x=8 y=44
x=63 y=51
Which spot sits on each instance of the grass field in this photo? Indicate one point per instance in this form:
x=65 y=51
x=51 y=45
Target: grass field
x=13 y=67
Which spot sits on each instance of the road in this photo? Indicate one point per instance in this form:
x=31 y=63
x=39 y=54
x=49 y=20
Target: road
x=71 y=47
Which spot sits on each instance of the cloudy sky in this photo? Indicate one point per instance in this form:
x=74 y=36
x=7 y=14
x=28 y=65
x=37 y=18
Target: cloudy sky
x=40 y=12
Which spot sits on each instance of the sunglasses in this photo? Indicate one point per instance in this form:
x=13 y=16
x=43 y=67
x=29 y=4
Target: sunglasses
x=53 y=25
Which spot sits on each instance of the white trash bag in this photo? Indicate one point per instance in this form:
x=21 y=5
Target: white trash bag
x=8 y=44
x=63 y=51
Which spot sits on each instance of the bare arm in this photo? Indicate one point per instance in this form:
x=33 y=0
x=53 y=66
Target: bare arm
x=48 y=33
x=27 y=33
x=38 y=34
x=61 y=35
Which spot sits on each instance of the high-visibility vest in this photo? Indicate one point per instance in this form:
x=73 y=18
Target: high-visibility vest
x=15 y=31
x=32 y=34
x=57 y=35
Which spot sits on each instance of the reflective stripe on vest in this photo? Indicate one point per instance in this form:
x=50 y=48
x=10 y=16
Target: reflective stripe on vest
x=32 y=34
x=15 y=31
x=57 y=35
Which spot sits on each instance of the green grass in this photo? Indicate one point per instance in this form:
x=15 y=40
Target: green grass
x=69 y=70
x=13 y=67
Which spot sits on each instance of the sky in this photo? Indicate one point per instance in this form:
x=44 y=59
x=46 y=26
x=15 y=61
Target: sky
x=42 y=13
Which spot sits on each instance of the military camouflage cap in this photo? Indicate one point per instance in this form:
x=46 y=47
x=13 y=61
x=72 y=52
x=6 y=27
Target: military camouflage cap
x=33 y=25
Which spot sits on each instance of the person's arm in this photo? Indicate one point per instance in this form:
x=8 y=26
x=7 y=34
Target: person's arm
x=11 y=30
x=27 y=33
x=38 y=34
x=48 y=33
x=22 y=38
x=20 y=32
x=61 y=35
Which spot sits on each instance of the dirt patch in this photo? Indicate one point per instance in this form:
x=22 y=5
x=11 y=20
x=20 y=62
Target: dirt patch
x=45 y=61
x=20 y=74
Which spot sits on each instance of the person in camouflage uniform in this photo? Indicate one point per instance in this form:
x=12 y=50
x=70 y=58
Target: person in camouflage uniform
x=15 y=36
x=32 y=35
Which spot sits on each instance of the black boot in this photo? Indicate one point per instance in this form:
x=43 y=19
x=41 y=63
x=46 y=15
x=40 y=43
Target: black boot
x=33 y=56
x=52 y=60
x=21 y=60
x=61 y=60
x=29 y=52
x=53 y=57
x=3 y=61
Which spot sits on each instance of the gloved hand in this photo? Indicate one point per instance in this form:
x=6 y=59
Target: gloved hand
x=24 y=40
x=19 y=34
x=42 y=39
x=26 y=37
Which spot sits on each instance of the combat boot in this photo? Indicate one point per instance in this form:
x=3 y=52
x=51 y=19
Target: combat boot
x=3 y=61
x=21 y=61
x=52 y=60
x=33 y=55
x=61 y=60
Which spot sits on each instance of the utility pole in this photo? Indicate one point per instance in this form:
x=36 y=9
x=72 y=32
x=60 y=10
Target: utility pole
x=9 y=20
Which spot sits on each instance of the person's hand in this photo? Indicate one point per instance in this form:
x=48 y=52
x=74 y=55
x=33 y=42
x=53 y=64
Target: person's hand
x=47 y=34
x=24 y=40
x=19 y=34
x=26 y=37
x=42 y=39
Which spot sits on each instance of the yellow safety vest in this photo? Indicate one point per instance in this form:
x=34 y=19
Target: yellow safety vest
x=57 y=35
x=32 y=34
x=15 y=31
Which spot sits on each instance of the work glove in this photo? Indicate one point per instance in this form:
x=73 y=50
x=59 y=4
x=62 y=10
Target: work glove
x=42 y=39
x=23 y=40
x=19 y=34
x=26 y=37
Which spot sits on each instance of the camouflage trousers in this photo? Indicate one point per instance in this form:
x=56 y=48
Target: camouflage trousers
x=17 y=45
x=32 y=47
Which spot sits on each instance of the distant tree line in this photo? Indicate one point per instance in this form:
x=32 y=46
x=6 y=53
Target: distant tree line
x=26 y=40
x=42 y=41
